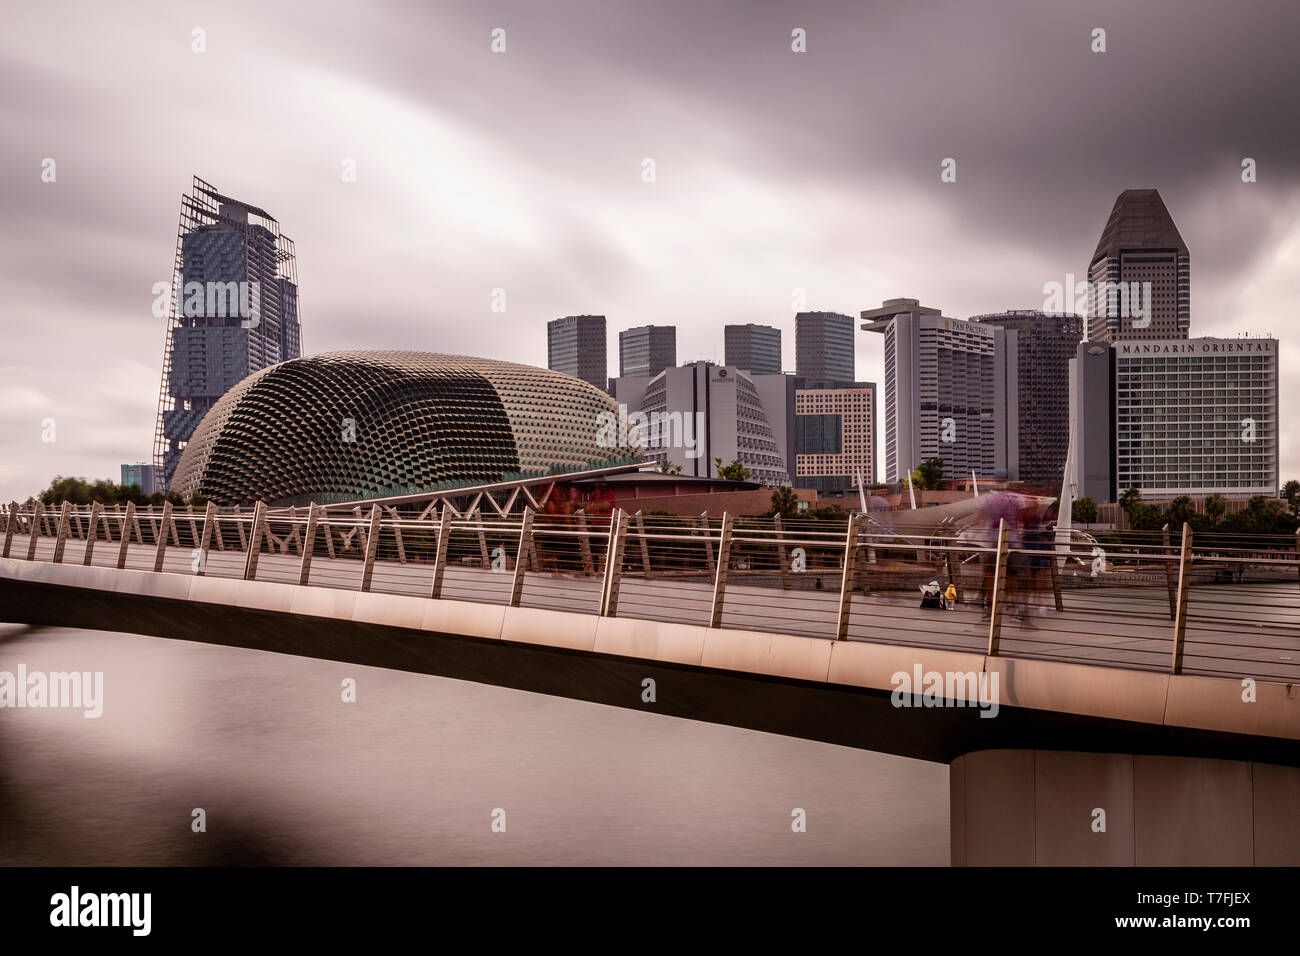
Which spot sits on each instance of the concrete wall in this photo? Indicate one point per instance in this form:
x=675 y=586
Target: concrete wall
x=1039 y=808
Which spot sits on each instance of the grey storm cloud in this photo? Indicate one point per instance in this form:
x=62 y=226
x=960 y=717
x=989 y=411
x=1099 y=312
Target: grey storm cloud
x=776 y=171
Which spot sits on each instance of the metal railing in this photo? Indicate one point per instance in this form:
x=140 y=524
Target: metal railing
x=1207 y=603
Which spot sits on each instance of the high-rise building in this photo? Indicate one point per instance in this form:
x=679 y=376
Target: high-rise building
x=835 y=435
x=141 y=474
x=753 y=348
x=700 y=411
x=575 y=345
x=1139 y=284
x=824 y=346
x=950 y=392
x=1046 y=342
x=1181 y=417
x=647 y=350
x=234 y=310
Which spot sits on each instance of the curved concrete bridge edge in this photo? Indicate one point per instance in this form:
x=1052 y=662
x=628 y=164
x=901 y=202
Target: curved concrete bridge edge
x=1183 y=768
x=1159 y=713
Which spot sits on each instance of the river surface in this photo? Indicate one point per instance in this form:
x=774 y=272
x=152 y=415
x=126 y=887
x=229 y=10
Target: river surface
x=412 y=772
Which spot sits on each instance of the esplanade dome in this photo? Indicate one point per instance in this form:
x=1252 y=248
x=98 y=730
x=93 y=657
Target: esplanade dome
x=341 y=426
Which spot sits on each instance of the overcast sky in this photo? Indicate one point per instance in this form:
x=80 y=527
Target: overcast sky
x=522 y=170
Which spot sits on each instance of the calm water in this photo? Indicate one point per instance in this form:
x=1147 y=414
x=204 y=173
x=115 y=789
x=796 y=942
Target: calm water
x=412 y=771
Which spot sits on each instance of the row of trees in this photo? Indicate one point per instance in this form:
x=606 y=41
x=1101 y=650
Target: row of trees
x=82 y=492
x=1262 y=515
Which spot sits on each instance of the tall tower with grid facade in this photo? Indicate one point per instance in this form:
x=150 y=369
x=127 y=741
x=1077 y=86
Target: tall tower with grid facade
x=233 y=310
x=1140 y=249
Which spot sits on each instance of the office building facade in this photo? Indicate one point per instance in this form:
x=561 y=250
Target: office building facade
x=233 y=311
x=647 y=350
x=140 y=474
x=1046 y=341
x=706 y=411
x=835 y=436
x=1140 y=253
x=951 y=392
x=575 y=345
x=1188 y=417
x=824 y=347
x=753 y=348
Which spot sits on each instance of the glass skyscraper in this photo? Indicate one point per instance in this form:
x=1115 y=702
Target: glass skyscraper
x=647 y=350
x=575 y=345
x=753 y=348
x=234 y=310
x=824 y=346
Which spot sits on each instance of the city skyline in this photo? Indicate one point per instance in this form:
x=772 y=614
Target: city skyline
x=459 y=194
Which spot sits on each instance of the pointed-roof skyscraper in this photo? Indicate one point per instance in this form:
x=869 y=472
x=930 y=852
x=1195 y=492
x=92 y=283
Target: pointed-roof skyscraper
x=1139 y=283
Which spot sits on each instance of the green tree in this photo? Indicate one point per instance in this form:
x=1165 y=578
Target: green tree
x=785 y=502
x=736 y=471
x=1291 y=492
x=931 y=473
x=1181 y=510
x=1084 y=510
x=668 y=468
x=1130 y=501
x=1215 y=507
x=81 y=492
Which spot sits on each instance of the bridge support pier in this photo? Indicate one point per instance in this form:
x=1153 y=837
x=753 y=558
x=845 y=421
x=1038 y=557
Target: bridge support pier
x=1047 y=808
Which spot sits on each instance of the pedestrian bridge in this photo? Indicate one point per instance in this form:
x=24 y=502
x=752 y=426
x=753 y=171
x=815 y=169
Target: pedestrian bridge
x=1153 y=676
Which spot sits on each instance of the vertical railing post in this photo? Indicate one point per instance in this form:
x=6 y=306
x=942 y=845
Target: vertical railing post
x=239 y=526
x=851 y=552
x=521 y=557
x=327 y=531
x=96 y=515
x=204 y=539
x=999 y=589
x=782 y=558
x=645 y=546
x=13 y=521
x=161 y=551
x=34 y=531
x=61 y=535
x=482 y=539
x=128 y=520
x=308 y=545
x=292 y=536
x=1297 y=550
x=708 y=542
x=720 y=577
x=1171 y=574
x=440 y=556
x=194 y=529
x=1184 y=584
x=953 y=566
x=254 y=540
x=584 y=543
x=618 y=524
x=397 y=535
x=372 y=549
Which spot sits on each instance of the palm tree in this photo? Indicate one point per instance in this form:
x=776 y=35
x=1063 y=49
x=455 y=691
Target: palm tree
x=784 y=501
x=1215 y=507
x=1291 y=492
x=1180 y=510
x=1130 y=501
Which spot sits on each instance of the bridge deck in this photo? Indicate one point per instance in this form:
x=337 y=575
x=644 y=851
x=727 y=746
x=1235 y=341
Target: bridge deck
x=1123 y=625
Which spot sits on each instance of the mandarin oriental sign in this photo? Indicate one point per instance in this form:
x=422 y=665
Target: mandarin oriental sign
x=1198 y=347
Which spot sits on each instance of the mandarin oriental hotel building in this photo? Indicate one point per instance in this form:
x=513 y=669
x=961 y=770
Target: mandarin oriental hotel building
x=1188 y=417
